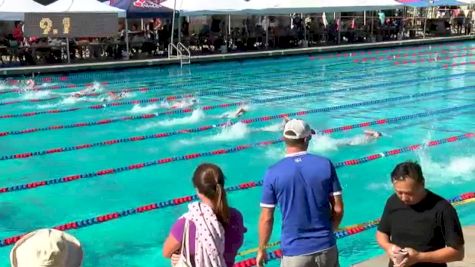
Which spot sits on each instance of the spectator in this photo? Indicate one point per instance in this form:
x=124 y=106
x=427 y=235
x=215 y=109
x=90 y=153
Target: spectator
x=307 y=189
x=418 y=224
x=223 y=224
x=47 y=248
x=18 y=32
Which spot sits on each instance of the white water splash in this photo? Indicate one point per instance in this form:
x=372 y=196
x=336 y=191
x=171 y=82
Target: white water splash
x=196 y=116
x=275 y=152
x=235 y=132
x=46 y=106
x=322 y=143
x=139 y=109
x=36 y=95
x=233 y=114
x=455 y=170
x=72 y=100
x=272 y=128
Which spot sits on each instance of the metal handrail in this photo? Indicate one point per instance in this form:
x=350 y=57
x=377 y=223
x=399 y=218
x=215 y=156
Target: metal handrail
x=172 y=46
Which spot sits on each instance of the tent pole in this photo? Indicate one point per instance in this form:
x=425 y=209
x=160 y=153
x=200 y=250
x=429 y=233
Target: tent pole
x=339 y=28
x=267 y=31
x=305 y=44
x=228 y=45
x=179 y=29
x=67 y=50
x=173 y=24
x=372 y=26
x=425 y=23
x=127 y=46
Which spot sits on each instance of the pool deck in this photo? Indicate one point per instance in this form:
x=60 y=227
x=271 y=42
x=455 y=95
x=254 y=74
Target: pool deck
x=469 y=235
x=220 y=57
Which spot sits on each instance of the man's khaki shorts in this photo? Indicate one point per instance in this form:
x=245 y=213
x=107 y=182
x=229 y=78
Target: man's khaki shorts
x=327 y=258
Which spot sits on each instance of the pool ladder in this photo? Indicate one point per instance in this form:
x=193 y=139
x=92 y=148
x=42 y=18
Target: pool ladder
x=182 y=53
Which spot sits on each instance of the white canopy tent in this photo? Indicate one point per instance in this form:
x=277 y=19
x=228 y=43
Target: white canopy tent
x=11 y=10
x=84 y=6
x=312 y=6
x=211 y=7
x=276 y=7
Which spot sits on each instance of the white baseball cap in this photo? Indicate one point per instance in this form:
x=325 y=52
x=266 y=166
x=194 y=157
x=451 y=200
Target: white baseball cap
x=47 y=248
x=297 y=129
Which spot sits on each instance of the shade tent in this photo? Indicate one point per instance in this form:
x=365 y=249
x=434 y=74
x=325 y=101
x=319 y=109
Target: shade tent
x=84 y=6
x=11 y=10
x=210 y=7
x=429 y=3
x=312 y=6
x=276 y=7
x=144 y=8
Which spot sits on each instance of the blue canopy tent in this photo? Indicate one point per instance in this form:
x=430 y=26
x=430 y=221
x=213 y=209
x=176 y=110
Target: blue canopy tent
x=430 y=3
x=140 y=9
x=143 y=8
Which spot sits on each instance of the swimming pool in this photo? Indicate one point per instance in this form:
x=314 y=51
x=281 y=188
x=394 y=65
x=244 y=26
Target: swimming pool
x=65 y=159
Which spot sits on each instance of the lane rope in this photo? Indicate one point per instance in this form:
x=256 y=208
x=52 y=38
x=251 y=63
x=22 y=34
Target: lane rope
x=221 y=92
x=439 y=58
x=396 y=56
x=226 y=105
x=345 y=232
x=160 y=84
x=111 y=142
x=244 y=186
x=71 y=76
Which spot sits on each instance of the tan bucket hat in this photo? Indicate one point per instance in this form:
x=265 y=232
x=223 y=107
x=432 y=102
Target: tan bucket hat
x=47 y=248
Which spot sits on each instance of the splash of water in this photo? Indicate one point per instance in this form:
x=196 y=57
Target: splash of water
x=45 y=106
x=233 y=114
x=235 y=132
x=322 y=143
x=71 y=100
x=275 y=152
x=456 y=170
x=196 y=116
x=272 y=128
x=36 y=95
x=139 y=109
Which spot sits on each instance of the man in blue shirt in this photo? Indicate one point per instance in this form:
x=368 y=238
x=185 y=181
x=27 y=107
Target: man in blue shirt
x=307 y=190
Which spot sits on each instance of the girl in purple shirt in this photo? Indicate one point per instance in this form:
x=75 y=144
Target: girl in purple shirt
x=208 y=179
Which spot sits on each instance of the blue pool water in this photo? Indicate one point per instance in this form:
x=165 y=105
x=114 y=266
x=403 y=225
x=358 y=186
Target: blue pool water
x=269 y=87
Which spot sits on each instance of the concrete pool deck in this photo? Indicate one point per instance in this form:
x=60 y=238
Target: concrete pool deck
x=469 y=235
x=221 y=57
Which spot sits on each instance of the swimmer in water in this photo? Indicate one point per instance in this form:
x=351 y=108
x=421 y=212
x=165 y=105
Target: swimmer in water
x=238 y=113
x=185 y=103
x=88 y=90
x=367 y=137
x=30 y=84
x=115 y=96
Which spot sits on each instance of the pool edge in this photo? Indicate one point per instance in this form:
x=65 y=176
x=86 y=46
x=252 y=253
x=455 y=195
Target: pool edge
x=4 y=72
